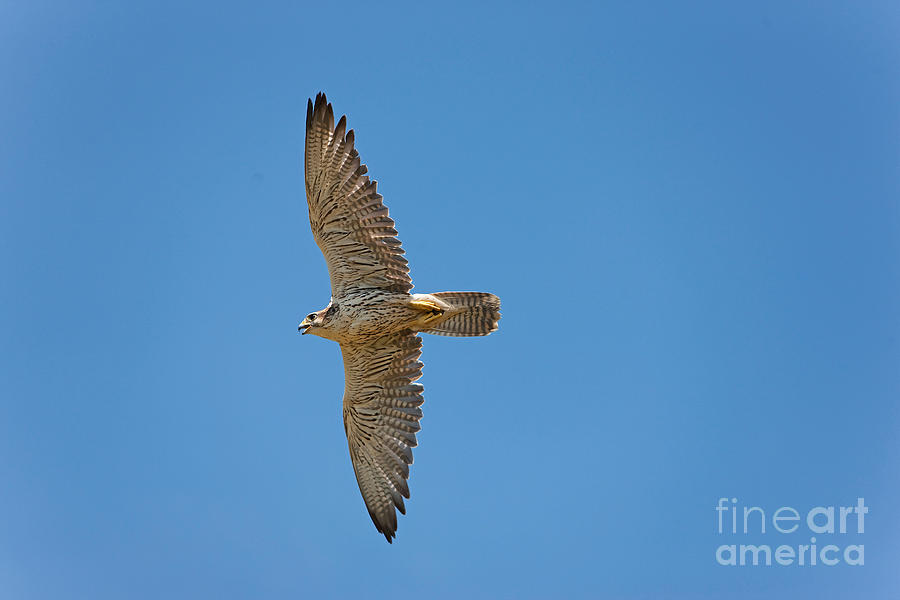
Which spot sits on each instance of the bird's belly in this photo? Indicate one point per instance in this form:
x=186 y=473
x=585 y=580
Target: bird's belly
x=372 y=317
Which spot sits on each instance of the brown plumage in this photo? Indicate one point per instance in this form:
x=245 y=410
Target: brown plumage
x=373 y=315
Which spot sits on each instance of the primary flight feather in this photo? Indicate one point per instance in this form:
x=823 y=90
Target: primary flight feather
x=373 y=316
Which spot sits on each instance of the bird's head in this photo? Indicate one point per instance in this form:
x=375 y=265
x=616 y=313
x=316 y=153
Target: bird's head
x=312 y=322
x=317 y=323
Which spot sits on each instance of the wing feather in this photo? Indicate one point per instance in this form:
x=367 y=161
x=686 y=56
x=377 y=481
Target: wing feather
x=381 y=418
x=349 y=220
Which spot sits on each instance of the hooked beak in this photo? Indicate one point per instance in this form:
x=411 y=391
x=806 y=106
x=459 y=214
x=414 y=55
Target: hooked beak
x=304 y=327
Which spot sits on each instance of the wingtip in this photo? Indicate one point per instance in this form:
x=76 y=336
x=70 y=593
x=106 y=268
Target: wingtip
x=321 y=108
x=388 y=532
x=329 y=116
x=323 y=111
x=340 y=129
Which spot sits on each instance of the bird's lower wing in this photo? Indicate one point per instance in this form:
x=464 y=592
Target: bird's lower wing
x=381 y=418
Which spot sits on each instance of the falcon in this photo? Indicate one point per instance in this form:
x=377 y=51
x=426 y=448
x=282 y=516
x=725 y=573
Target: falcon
x=373 y=315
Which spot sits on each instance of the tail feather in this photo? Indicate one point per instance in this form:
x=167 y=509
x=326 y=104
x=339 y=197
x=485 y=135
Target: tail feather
x=471 y=314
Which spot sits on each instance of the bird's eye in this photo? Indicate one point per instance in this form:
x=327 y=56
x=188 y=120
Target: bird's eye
x=311 y=317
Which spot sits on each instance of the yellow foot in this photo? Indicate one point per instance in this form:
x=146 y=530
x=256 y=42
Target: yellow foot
x=427 y=305
x=434 y=309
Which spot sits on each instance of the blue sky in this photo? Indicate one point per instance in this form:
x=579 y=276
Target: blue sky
x=690 y=212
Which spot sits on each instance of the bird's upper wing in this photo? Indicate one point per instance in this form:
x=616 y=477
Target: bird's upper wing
x=348 y=219
x=381 y=418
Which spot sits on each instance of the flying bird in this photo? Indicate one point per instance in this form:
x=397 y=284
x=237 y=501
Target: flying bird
x=373 y=315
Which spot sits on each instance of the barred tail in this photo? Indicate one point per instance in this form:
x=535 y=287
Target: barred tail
x=471 y=313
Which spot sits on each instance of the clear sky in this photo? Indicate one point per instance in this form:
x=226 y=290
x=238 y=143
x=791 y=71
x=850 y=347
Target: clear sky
x=690 y=211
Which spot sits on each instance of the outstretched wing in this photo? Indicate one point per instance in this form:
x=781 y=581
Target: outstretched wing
x=381 y=418
x=349 y=221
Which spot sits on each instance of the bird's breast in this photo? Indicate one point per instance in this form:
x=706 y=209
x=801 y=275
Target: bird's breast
x=369 y=314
